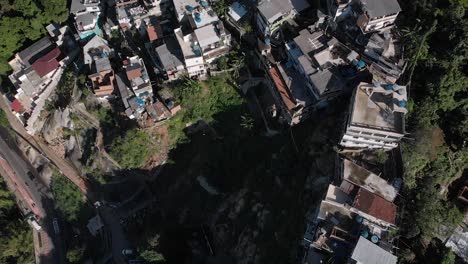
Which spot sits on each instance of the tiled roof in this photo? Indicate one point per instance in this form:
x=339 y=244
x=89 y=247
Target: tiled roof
x=134 y=71
x=375 y=205
x=282 y=88
x=17 y=106
x=47 y=63
x=154 y=32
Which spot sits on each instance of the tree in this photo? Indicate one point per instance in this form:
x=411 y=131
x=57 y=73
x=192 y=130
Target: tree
x=75 y=254
x=133 y=149
x=68 y=198
x=449 y=257
x=26 y=21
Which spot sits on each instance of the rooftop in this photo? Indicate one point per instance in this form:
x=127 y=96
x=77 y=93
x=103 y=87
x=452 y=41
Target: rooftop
x=369 y=253
x=31 y=53
x=203 y=17
x=47 y=63
x=80 y=5
x=237 y=11
x=206 y=35
x=360 y=176
x=282 y=88
x=96 y=47
x=169 y=58
x=378 y=8
x=376 y=107
x=103 y=64
x=375 y=206
x=183 y=6
x=274 y=9
x=187 y=44
x=86 y=19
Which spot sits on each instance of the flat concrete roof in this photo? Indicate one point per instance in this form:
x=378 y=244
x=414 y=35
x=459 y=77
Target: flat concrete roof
x=375 y=110
x=369 y=253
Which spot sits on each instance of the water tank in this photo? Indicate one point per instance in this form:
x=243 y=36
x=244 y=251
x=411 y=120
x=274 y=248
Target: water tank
x=267 y=41
x=375 y=239
x=189 y=8
x=361 y=64
x=204 y=3
x=364 y=233
x=387 y=87
x=402 y=103
x=197 y=18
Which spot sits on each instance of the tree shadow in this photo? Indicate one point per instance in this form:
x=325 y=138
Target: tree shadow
x=218 y=178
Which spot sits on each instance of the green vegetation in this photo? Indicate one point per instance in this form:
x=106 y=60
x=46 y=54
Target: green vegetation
x=63 y=92
x=150 y=252
x=201 y=101
x=133 y=149
x=75 y=255
x=15 y=235
x=3 y=119
x=23 y=21
x=435 y=36
x=68 y=198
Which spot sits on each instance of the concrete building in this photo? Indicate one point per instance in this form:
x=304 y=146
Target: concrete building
x=369 y=15
x=103 y=77
x=316 y=57
x=130 y=13
x=367 y=252
x=193 y=58
x=355 y=175
x=134 y=106
x=343 y=220
x=273 y=13
x=377 y=14
x=386 y=54
x=138 y=77
x=376 y=117
x=86 y=13
x=214 y=41
x=96 y=48
x=169 y=59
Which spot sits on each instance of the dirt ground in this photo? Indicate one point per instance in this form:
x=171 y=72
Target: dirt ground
x=164 y=144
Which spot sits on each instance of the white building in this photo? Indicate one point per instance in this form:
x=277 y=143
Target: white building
x=370 y=15
x=273 y=13
x=86 y=14
x=191 y=50
x=376 y=117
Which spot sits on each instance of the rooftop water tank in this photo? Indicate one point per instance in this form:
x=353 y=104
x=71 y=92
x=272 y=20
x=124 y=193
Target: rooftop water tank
x=359 y=219
x=402 y=103
x=204 y=3
x=197 y=18
x=267 y=41
x=375 y=239
x=189 y=8
x=364 y=233
x=361 y=64
x=387 y=87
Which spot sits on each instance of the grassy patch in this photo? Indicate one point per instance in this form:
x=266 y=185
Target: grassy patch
x=133 y=149
x=3 y=119
x=202 y=100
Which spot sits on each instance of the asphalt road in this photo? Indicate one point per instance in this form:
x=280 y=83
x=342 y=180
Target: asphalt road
x=27 y=188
